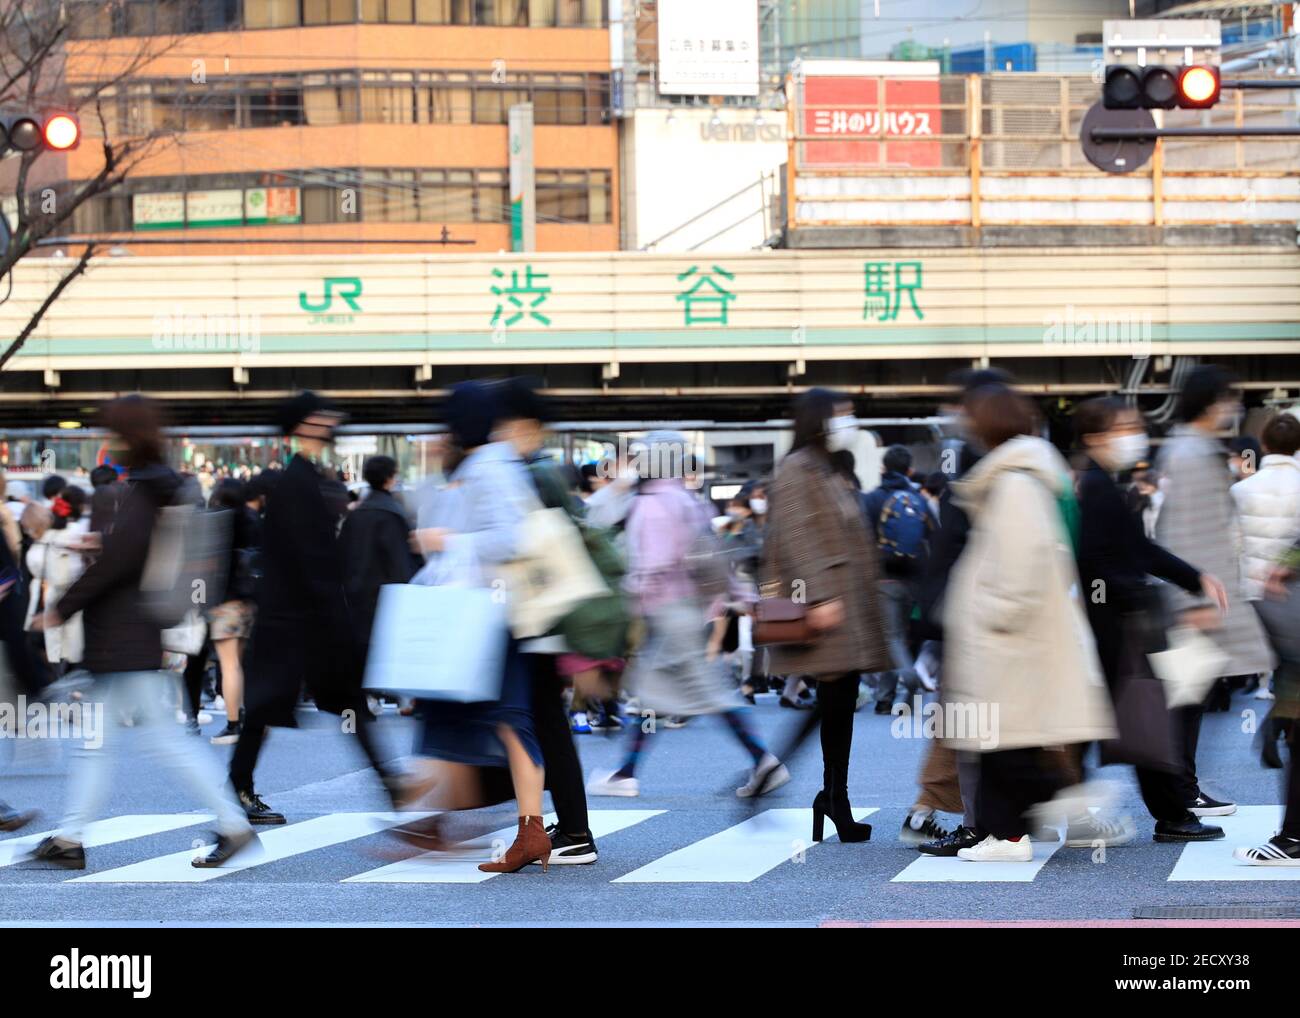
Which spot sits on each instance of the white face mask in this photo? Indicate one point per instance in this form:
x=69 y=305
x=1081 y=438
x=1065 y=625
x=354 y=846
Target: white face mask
x=1128 y=450
x=840 y=432
x=758 y=505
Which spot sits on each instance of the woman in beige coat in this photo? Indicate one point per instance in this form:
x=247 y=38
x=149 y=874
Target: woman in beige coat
x=1020 y=667
x=817 y=552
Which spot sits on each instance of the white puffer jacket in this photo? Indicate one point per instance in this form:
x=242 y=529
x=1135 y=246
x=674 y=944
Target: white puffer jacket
x=1268 y=503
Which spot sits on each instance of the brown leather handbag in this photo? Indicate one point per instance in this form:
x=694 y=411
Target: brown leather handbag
x=781 y=620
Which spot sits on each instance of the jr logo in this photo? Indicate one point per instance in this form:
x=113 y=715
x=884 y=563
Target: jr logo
x=347 y=287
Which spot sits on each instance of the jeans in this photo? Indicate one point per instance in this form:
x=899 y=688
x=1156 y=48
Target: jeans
x=162 y=742
x=899 y=598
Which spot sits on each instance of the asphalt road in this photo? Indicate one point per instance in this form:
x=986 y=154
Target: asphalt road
x=671 y=856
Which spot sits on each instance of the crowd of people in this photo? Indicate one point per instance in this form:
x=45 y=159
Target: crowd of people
x=1060 y=609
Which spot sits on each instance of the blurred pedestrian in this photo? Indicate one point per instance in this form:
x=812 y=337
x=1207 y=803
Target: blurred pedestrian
x=124 y=649
x=818 y=552
x=1019 y=661
x=1198 y=522
x=230 y=621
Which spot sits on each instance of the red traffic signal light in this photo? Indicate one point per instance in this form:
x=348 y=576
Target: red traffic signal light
x=62 y=132
x=1198 y=87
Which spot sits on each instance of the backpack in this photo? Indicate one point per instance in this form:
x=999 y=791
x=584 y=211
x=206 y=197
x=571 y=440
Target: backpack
x=903 y=526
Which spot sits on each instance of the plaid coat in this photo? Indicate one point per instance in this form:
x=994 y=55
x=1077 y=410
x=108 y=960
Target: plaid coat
x=817 y=545
x=1198 y=523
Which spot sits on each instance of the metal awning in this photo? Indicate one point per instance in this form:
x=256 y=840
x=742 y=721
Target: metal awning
x=1203 y=8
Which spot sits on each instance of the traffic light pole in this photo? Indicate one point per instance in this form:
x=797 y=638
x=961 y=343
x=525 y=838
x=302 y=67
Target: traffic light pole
x=1142 y=133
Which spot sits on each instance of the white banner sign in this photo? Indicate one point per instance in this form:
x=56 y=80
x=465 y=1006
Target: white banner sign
x=708 y=48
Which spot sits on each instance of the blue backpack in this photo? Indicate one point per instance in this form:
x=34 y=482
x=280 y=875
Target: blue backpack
x=903 y=526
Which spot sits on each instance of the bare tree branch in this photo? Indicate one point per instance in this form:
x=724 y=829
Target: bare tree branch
x=53 y=295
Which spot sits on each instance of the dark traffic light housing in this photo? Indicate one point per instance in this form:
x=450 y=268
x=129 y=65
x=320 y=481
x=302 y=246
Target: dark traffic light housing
x=28 y=132
x=1160 y=87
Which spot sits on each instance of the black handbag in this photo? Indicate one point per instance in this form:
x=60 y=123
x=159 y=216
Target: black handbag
x=1146 y=732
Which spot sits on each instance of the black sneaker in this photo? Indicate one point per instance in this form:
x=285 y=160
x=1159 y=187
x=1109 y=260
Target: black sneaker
x=257 y=811
x=928 y=830
x=1277 y=851
x=228 y=735
x=12 y=819
x=192 y=727
x=1204 y=806
x=226 y=848
x=948 y=847
x=1188 y=829
x=567 y=851
x=68 y=854
x=884 y=706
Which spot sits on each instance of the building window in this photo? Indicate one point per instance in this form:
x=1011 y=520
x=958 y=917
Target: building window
x=329 y=12
x=388 y=99
x=270 y=13
x=573 y=196
x=330 y=99
x=276 y=103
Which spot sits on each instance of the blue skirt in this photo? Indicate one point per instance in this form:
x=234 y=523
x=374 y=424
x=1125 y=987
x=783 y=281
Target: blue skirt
x=468 y=732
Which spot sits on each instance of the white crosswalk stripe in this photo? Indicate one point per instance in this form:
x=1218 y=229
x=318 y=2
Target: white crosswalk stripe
x=461 y=866
x=1212 y=860
x=739 y=854
x=105 y=832
x=928 y=869
x=275 y=844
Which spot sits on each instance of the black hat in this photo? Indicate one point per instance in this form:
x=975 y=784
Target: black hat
x=294 y=411
x=470 y=412
x=520 y=399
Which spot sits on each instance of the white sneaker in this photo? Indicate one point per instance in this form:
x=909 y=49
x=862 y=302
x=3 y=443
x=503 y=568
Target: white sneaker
x=992 y=849
x=1264 y=693
x=203 y=717
x=928 y=682
x=219 y=704
x=769 y=775
x=606 y=783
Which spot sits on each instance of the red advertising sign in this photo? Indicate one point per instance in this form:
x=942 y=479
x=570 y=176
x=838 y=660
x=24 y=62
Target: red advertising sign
x=838 y=110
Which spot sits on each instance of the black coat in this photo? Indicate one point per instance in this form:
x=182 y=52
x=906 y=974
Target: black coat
x=302 y=633
x=120 y=635
x=1115 y=552
x=375 y=551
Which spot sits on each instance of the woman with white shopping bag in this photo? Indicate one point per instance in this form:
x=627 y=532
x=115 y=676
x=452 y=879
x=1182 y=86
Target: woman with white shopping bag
x=471 y=530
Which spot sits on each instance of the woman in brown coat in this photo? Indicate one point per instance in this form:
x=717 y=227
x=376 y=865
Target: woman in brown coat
x=817 y=552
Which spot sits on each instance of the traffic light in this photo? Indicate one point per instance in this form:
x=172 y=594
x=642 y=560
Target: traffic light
x=27 y=132
x=1198 y=87
x=1160 y=87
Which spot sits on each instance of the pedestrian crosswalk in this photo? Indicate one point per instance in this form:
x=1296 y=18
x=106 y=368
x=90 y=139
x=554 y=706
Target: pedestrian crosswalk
x=737 y=853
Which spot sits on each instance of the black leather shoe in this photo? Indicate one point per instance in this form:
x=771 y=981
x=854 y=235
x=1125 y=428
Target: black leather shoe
x=68 y=854
x=226 y=848
x=12 y=819
x=257 y=811
x=884 y=707
x=1188 y=829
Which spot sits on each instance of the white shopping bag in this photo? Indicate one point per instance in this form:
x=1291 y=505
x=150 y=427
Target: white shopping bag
x=552 y=574
x=1189 y=667
x=438 y=643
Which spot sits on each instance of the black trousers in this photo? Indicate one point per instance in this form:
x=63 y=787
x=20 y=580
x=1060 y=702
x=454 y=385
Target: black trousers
x=195 y=666
x=280 y=660
x=1187 y=729
x=559 y=754
x=1291 y=784
x=1012 y=781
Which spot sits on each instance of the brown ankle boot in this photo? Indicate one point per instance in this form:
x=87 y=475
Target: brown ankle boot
x=532 y=842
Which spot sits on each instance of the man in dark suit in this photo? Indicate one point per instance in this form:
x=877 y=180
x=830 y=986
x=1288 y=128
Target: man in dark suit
x=303 y=632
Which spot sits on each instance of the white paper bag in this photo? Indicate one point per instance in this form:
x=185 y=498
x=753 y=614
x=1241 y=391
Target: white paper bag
x=1189 y=667
x=438 y=643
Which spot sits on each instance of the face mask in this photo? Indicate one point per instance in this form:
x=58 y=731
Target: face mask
x=840 y=432
x=758 y=505
x=1128 y=450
